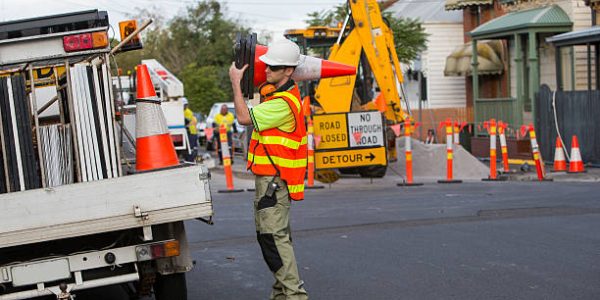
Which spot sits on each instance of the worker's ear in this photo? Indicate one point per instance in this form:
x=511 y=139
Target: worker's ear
x=288 y=71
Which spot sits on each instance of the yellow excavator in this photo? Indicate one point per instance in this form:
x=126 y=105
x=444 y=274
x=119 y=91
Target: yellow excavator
x=363 y=40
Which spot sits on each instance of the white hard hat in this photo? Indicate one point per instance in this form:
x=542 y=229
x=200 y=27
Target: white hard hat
x=282 y=53
x=184 y=100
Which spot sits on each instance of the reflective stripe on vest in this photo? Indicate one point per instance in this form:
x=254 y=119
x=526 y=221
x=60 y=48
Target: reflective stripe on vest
x=284 y=162
x=278 y=140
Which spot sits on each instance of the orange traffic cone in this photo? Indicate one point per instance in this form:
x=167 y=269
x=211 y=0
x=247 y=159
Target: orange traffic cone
x=310 y=68
x=154 y=146
x=576 y=163
x=560 y=163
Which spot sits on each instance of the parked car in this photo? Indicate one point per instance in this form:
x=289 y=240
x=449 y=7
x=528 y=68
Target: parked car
x=239 y=132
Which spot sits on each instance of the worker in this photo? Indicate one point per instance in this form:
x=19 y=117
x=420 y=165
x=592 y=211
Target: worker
x=227 y=118
x=192 y=131
x=277 y=156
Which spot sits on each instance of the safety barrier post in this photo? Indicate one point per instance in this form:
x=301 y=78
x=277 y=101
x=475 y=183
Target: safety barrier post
x=226 y=161
x=502 y=126
x=537 y=158
x=449 y=154
x=408 y=154
x=492 y=130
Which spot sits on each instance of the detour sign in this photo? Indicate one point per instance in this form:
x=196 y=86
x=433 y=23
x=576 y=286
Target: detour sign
x=350 y=158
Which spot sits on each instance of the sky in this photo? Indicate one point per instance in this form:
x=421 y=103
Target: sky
x=273 y=16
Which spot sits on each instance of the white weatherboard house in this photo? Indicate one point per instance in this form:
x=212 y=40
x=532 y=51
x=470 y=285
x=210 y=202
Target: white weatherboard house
x=445 y=30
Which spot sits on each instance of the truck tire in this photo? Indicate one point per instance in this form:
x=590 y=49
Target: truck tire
x=372 y=171
x=170 y=287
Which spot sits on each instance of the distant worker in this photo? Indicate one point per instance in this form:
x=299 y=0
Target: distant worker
x=227 y=118
x=192 y=131
x=277 y=156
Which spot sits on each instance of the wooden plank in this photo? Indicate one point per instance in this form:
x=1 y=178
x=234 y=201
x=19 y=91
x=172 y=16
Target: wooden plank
x=83 y=203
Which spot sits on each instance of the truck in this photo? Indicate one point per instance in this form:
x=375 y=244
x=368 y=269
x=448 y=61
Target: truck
x=72 y=219
x=354 y=114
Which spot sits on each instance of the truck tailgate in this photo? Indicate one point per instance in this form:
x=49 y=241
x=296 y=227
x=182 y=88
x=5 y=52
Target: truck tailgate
x=102 y=206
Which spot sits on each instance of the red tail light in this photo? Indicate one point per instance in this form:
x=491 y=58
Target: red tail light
x=85 y=41
x=78 y=42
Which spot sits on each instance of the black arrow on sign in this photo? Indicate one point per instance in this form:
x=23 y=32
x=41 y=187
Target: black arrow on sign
x=371 y=157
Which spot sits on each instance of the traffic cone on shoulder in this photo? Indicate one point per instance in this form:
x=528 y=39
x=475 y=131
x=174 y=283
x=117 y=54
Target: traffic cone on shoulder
x=154 y=147
x=560 y=163
x=576 y=163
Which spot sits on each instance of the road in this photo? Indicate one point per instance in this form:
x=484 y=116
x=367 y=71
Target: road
x=506 y=240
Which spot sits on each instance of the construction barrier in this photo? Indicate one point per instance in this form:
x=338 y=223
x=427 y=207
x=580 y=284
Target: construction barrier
x=154 y=147
x=449 y=152
x=535 y=149
x=576 y=163
x=560 y=163
x=502 y=126
x=408 y=153
x=492 y=128
x=226 y=161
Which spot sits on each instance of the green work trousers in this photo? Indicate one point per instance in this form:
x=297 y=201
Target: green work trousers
x=272 y=217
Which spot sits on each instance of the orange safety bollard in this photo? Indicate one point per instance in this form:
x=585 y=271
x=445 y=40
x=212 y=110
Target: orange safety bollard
x=535 y=149
x=449 y=154
x=492 y=130
x=502 y=126
x=576 y=163
x=560 y=163
x=408 y=154
x=310 y=183
x=226 y=161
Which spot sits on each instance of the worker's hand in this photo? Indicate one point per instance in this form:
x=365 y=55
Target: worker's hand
x=235 y=74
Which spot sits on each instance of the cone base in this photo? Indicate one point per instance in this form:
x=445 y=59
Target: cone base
x=314 y=187
x=575 y=172
x=231 y=191
x=409 y=184
x=251 y=190
x=155 y=152
x=449 y=181
x=558 y=171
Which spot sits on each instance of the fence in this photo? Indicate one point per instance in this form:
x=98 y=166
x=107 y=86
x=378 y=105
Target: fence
x=577 y=113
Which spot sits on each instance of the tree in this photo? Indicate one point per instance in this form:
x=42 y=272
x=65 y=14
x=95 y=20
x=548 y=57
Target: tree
x=409 y=36
x=196 y=47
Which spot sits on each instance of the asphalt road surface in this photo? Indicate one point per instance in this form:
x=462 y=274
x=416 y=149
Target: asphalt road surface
x=507 y=240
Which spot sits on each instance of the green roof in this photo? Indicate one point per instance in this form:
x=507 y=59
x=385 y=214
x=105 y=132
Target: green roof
x=550 y=19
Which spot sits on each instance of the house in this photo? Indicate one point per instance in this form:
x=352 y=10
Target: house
x=529 y=59
x=443 y=96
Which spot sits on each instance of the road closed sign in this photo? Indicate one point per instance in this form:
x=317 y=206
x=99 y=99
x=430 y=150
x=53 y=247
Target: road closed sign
x=332 y=131
x=350 y=158
x=365 y=129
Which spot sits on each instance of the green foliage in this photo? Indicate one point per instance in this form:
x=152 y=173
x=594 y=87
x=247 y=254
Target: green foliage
x=197 y=47
x=329 y=17
x=409 y=36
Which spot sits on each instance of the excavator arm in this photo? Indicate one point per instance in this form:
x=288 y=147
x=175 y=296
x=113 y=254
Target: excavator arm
x=368 y=34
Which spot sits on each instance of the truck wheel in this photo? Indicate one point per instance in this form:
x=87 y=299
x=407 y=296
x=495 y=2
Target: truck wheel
x=170 y=287
x=373 y=171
